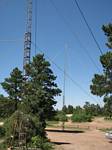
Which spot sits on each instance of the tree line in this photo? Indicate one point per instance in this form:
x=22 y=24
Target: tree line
x=88 y=108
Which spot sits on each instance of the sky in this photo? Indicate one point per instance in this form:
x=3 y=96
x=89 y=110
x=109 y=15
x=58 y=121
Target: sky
x=61 y=35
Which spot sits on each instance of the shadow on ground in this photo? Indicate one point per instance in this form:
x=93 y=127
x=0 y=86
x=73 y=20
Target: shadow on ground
x=64 y=131
x=60 y=143
x=110 y=141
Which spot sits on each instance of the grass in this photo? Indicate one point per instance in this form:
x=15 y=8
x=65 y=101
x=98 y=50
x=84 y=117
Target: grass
x=108 y=119
x=55 y=124
x=76 y=128
x=52 y=123
x=105 y=129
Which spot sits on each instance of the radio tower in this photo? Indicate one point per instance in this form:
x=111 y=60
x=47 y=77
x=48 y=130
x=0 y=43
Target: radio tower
x=27 y=37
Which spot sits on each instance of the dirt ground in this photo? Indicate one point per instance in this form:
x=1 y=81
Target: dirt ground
x=91 y=139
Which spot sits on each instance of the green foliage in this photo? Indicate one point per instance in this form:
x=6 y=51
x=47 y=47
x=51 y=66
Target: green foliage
x=82 y=117
x=70 y=109
x=7 y=107
x=92 y=109
x=39 y=142
x=108 y=106
x=47 y=146
x=98 y=86
x=82 y=114
x=107 y=117
x=13 y=85
x=102 y=84
x=64 y=109
x=19 y=123
x=61 y=116
x=106 y=61
x=2 y=132
x=67 y=110
x=3 y=146
x=106 y=129
x=108 y=32
x=55 y=117
x=78 y=110
x=35 y=96
x=40 y=90
x=53 y=123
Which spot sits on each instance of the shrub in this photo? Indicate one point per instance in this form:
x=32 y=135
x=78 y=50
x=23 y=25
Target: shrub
x=19 y=122
x=82 y=117
x=42 y=143
x=61 y=116
x=47 y=146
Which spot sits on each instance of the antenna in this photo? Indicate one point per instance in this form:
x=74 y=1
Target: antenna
x=64 y=77
x=27 y=37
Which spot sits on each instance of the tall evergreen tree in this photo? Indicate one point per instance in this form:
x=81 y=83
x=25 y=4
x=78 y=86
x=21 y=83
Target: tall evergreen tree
x=41 y=89
x=102 y=84
x=70 y=109
x=13 y=85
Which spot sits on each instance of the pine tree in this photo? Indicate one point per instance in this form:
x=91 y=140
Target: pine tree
x=40 y=90
x=108 y=32
x=108 y=106
x=13 y=85
x=102 y=84
x=70 y=109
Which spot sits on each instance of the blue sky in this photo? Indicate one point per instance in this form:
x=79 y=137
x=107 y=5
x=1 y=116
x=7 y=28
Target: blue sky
x=55 y=30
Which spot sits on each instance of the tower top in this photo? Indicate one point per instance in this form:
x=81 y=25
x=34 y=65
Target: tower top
x=27 y=37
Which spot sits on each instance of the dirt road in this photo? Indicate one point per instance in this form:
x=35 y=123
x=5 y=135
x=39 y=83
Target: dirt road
x=92 y=139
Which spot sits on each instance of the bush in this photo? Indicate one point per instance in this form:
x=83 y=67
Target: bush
x=19 y=122
x=82 y=117
x=47 y=146
x=42 y=143
x=61 y=116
